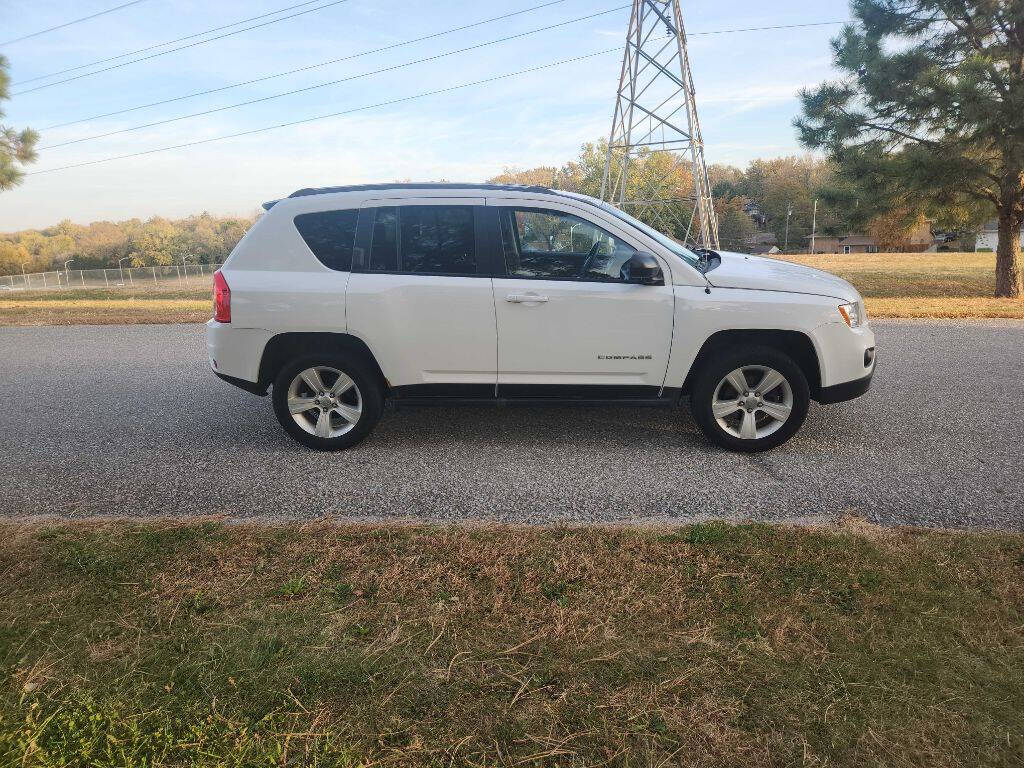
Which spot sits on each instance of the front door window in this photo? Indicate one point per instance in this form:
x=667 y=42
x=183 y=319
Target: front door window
x=551 y=245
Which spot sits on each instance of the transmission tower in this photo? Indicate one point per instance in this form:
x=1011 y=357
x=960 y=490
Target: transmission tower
x=656 y=111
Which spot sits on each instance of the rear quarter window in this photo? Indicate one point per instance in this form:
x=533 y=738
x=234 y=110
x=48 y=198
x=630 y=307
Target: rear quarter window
x=330 y=235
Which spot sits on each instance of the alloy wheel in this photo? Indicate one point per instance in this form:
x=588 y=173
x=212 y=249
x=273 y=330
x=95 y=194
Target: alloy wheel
x=752 y=402
x=324 y=401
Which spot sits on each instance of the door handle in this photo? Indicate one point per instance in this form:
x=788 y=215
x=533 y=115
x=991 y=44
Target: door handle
x=526 y=298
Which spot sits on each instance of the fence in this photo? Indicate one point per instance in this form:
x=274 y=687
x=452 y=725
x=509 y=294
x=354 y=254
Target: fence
x=169 y=276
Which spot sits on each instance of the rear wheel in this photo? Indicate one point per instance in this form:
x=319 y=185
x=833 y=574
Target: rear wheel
x=750 y=399
x=326 y=401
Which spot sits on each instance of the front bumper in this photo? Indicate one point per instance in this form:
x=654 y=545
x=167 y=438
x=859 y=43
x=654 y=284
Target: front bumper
x=848 y=390
x=847 y=359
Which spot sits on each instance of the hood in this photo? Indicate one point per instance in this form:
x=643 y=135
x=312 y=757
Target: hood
x=738 y=270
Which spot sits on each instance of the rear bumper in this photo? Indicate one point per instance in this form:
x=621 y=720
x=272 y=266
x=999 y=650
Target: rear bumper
x=248 y=386
x=848 y=390
x=235 y=353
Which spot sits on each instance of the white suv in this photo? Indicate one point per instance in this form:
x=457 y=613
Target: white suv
x=342 y=298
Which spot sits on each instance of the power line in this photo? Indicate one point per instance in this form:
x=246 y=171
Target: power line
x=166 y=42
x=368 y=53
x=338 y=81
x=70 y=23
x=390 y=102
x=310 y=67
x=179 y=48
x=764 y=29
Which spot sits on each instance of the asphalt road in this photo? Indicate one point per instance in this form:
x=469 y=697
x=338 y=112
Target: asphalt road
x=128 y=420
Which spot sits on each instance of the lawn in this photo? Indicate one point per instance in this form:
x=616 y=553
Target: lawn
x=921 y=284
x=211 y=644
x=952 y=285
x=92 y=306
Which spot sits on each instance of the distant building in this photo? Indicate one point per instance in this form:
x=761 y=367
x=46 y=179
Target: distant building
x=847 y=244
x=858 y=244
x=988 y=237
x=753 y=211
x=824 y=244
x=760 y=243
x=918 y=240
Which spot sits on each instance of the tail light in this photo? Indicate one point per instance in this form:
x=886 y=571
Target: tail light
x=221 y=298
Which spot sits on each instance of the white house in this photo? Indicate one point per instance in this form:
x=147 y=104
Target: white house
x=988 y=237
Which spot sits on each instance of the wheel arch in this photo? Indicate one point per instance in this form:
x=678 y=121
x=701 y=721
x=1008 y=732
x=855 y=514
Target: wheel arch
x=287 y=346
x=796 y=344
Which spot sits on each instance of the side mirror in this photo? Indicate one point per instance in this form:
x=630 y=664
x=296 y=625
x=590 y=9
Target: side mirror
x=643 y=269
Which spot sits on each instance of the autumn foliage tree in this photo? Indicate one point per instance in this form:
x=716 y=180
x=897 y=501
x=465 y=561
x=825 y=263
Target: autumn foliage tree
x=773 y=186
x=158 y=241
x=667 y=172
x=930 y=108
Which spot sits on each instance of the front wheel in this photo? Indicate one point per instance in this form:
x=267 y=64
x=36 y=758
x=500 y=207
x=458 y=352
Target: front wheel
x=750 y=399
x=327 y=402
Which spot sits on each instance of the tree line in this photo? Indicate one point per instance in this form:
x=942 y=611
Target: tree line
x=774 y=195
x=202 y=239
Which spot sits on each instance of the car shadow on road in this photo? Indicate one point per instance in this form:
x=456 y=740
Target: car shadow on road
x=613 y=429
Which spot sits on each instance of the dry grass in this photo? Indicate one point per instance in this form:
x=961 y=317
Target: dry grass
x=203 y=644
x=938 y=285
x=105 y=306
x=954 y=307
x=103 y=311
x=912 y=275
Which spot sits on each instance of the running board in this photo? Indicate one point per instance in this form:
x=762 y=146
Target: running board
x=505 y=402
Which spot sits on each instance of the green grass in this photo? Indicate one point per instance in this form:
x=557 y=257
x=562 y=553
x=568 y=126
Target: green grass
x=235 y=645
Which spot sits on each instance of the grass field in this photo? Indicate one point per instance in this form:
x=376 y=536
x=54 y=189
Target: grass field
x=240 y=645
x=953 y=285
x=97 y=306
x=921 y=284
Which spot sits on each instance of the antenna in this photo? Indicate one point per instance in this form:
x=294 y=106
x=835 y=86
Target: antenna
x=656 y=111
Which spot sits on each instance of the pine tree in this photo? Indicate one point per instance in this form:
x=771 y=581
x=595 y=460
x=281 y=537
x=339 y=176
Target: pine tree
x=930 y=108
x=16 y=148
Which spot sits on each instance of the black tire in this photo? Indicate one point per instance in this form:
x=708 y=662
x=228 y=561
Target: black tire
x=368 y=394
x=720 y=365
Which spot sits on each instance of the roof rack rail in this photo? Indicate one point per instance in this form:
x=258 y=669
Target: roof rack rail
x=371 y=187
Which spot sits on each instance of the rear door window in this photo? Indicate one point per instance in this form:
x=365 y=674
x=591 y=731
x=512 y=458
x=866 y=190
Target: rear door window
x=330 y=235
x=384 y=246
x=423 y=239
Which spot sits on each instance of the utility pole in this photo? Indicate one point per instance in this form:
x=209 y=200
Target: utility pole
x=814 y=225
x=789 y=214
x=656 y=111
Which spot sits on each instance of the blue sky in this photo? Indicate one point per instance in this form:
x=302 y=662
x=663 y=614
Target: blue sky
x=746 y=86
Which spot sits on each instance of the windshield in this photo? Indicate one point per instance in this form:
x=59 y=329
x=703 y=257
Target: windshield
x=679 y=250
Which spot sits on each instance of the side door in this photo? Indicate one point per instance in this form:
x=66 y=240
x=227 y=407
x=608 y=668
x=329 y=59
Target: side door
x=420 y=295
x=569 y=322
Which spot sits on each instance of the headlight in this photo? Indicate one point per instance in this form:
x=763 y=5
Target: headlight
x=853 y=314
